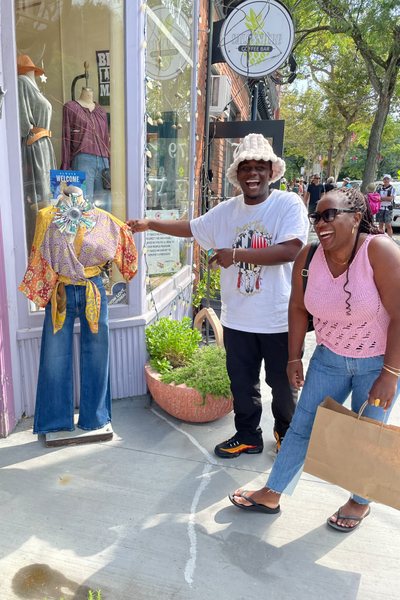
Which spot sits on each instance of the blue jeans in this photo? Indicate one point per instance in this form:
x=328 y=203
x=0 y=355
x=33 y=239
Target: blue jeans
x=328 y=374
x=54 y=410
x=93 y=165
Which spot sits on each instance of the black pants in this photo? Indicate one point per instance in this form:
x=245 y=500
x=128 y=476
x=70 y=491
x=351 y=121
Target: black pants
x=244 y=355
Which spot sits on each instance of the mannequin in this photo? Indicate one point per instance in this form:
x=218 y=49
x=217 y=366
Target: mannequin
x=36 y=148
x=86 y=99
x=86 y=144
x=73 y=241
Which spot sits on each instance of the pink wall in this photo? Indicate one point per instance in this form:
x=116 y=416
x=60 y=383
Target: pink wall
x=7 y=413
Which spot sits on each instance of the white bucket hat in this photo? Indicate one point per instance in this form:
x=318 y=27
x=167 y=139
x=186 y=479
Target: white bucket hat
x=255 y=147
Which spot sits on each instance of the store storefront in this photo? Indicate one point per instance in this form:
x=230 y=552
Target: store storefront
x=100 y=94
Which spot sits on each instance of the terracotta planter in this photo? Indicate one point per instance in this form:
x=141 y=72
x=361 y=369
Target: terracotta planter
x=184 y=402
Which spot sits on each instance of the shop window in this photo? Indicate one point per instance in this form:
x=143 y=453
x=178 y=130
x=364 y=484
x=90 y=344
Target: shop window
x=72 y=113
x=169 y=105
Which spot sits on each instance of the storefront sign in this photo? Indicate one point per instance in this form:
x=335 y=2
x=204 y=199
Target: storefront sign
x=162 y=250
x=257 y=37
x=168 y=42
x=60 y=179
x=103 y=69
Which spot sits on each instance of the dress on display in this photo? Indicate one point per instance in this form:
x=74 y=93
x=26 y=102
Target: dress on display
x=64 y=275
x=37 y=151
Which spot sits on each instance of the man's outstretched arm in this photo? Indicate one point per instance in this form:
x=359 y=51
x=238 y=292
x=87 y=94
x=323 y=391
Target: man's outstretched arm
x=177 y=228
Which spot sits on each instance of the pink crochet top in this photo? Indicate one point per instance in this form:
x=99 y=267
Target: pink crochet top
x=361 y=334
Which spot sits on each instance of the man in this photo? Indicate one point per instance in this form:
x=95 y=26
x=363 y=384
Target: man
x=346 y=182
x=313 y=193
x=385 y=213
x=256 y=237
x=329 y=185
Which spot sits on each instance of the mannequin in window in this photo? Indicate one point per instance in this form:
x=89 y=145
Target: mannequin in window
x=86 y=144
x=73 y=241
x=36 y=148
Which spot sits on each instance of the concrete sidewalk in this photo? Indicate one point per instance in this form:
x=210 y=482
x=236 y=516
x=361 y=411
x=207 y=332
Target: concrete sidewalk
x=146 y=516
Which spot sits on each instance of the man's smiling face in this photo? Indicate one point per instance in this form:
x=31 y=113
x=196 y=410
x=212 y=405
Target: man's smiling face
x=254 y=177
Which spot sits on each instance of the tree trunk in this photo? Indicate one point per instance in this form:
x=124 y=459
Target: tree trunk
x=330 y=155
x=342 y=148
x=374 y=144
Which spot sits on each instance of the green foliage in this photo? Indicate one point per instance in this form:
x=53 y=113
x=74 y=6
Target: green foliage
x=351 y=48
x=206 y=372
x=170 y=343
x=201 y=288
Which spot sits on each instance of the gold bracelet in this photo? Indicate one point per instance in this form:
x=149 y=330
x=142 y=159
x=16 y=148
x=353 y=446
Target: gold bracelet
x=390 y=367
x=295 y=360
x=390 y=371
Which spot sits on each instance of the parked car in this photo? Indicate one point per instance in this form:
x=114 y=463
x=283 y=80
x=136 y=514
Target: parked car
x=356 y=183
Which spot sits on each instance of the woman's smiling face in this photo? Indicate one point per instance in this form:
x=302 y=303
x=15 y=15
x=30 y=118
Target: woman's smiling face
x=338 y=231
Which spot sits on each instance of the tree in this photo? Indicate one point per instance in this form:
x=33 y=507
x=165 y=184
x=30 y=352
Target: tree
x=374 y=27
x=337 y=101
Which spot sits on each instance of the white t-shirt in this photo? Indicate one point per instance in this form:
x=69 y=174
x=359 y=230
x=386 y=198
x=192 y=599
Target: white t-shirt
x=384 y=192
x=254 y=298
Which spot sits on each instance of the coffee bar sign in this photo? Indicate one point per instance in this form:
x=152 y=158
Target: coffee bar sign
x=257 y=37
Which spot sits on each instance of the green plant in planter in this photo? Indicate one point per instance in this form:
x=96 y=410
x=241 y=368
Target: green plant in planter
x=201 y=288
x=205 y=372
x=170 y=343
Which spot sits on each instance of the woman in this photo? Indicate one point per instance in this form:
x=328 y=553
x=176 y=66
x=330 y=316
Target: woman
x=357 y=325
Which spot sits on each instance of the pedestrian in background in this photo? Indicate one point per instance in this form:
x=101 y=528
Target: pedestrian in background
x=384 y=216
x=314 y=192
x=373 y=198
x=329 y=185
x=346 y=182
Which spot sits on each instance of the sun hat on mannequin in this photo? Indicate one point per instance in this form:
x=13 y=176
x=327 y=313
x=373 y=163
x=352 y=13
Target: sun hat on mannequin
x=26 y=64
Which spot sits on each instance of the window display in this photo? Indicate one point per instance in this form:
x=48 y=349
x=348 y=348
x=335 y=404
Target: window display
x=72 y=116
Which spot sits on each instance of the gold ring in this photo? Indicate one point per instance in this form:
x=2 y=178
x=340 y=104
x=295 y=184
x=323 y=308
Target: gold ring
x=377 y=402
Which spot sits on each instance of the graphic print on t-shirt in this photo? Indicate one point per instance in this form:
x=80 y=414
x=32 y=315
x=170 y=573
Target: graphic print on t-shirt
x=253 y=235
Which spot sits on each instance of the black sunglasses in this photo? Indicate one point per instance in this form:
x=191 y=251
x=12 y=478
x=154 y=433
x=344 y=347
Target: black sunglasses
x=328 y=215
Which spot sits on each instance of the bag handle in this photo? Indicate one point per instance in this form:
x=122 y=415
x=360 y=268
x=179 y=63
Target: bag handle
x=304 y=271
x=362 y=408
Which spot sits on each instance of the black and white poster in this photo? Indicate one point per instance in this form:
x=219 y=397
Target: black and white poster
x=103 y=70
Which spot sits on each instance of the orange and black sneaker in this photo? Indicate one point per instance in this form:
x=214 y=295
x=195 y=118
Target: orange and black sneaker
x=234 y=447
x=279 y=440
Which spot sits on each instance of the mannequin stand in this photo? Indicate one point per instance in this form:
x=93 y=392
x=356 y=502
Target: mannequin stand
x=78 y=436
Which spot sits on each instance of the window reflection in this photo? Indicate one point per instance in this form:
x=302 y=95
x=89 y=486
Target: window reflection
x=168 y=104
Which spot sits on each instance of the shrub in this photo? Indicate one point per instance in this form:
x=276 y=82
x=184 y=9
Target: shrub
x=170 y=343
x=206 y=372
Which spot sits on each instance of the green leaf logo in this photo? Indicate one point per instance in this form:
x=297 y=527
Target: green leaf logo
x=254 y=21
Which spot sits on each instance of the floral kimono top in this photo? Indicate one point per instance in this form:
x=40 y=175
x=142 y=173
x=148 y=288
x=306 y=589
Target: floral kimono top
x=58 y=259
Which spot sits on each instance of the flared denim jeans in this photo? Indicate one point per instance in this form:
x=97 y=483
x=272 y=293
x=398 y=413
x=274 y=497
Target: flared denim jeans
x=54 y=410
x=328 y=374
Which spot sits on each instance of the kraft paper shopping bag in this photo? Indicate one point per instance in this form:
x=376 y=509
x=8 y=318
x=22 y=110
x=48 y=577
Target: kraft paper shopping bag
x=356 y=453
